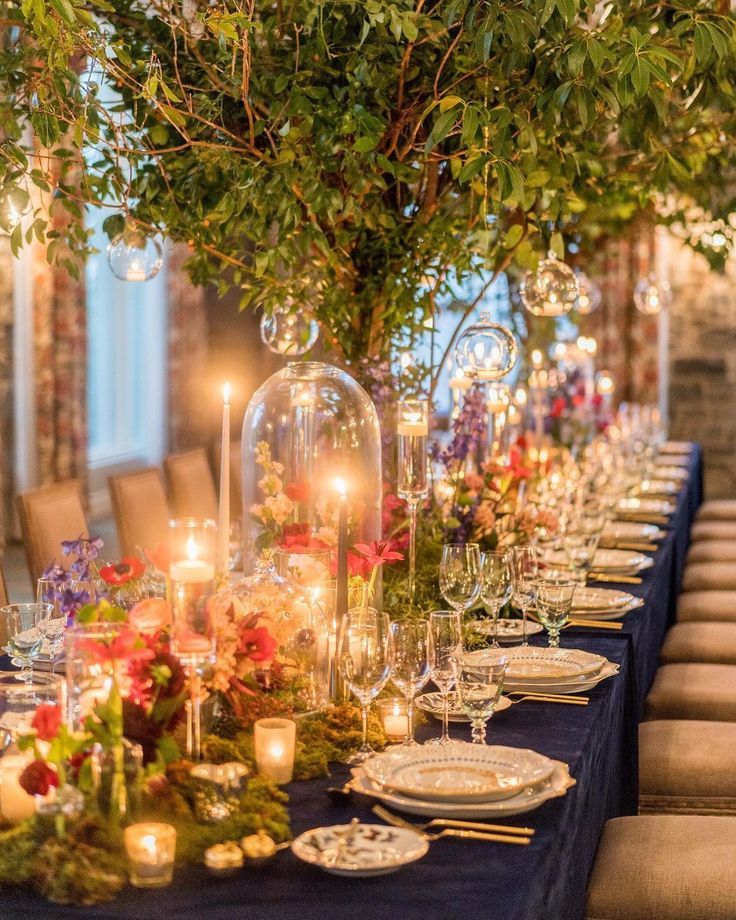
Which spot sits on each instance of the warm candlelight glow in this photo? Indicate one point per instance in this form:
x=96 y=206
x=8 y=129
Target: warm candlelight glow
x=605 y=384
x=192 y=549
x=151 y=848
x=537 y=358
x=520 y=397
x=340 y=487
x=226 y=393
x=275 y=741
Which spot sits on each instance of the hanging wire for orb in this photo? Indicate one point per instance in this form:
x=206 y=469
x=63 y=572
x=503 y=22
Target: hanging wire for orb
x=652 y=296
x=486 y=350
x=589 y=295
x=551 y=290
x=288 y=330
x=134 y=255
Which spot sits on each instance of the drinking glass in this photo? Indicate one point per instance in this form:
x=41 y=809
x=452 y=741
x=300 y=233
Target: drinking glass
x=580 y=548
x=554 y=601
x=460 y=575
x=446 y=636
x=411 y=663
x=524 y=572
x=53 y=628
x=495 y=586
x=366 y=655
x=19 y=700
x=24 y=637
x=479 y=686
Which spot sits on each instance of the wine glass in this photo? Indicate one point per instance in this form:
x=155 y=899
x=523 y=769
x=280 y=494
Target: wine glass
x=24 y=637
x=446 y=636
x=554 y=601
x=524 y=572
x=53 y=627
x=366 y=656
x=495 y=586
x=460 y=575
x=580 y=548
x=411 y=663
x=479 y=686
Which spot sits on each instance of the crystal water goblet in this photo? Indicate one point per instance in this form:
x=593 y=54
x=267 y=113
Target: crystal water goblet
x=411 y=663
x=22 y=624
x=479 y=686
x=554 y=602
x=366 y=659
x=580 y=548
x=460 y=575
x=524 y=573
x=495 y=586
x=446 y=637
x=53 y=628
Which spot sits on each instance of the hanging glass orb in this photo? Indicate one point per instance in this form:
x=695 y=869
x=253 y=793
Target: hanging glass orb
x=589 y=295
x=288 y=330
x=134 y=256
x=15 y=203
x=486 y=350
x=652 y=296
x=551 y=290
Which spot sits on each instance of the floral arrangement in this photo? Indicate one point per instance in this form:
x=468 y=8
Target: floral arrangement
x=574 y=419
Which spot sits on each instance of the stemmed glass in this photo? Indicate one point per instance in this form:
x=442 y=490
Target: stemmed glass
x=479 y=686
x=366 y=656
x=411 y=663
x=580 y=542
x=53 y=627
x=495 y=586
x=446 y=636
x=524 y=572
x=23 y=629
x=460 y=575
x=554 y=601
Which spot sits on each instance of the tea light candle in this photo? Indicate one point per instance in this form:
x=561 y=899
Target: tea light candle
x=413 y=420
x=151 y=848
x=394 y=715
x=275 y=740
x=192 y=570
x=15 y=803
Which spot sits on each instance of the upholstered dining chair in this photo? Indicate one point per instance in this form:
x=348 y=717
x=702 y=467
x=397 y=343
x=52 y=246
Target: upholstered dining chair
x=140 y=509
x=49 y=515
x=4 y=600
x=191 y=486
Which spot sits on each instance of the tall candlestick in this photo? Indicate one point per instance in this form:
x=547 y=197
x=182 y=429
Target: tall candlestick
x=223 y=553
x=341 y=598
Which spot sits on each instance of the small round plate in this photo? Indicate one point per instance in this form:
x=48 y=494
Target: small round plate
x=509 y=629
x=359 y=850
x=431 y=703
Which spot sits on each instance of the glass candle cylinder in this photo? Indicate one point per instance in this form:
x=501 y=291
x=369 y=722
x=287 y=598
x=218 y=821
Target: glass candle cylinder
x=394 y=715
x=89 y=679
x=151 y=848
x=413 y=431
x=193 y=551
x=15 y=803
x=275 y=740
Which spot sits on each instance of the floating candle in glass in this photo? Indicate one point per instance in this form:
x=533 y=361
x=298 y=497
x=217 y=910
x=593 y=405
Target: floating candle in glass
x=151 y=848
x=394 y=714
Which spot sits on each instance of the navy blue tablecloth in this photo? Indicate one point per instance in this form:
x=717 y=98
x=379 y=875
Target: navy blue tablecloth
x=462 y=880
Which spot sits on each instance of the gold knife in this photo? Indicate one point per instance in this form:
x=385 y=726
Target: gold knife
x=614 y=579
x=595 y=624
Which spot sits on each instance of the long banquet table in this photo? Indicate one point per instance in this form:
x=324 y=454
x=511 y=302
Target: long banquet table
x=458 y=879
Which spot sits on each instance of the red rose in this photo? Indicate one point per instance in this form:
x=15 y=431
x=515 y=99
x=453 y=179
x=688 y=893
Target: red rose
x=257 y=643
x=298 y=491
x=578 y=400
x=47 y=721
x=38 y=778
x=119 y=573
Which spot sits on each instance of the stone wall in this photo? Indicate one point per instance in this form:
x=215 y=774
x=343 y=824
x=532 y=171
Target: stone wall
x=702 y=371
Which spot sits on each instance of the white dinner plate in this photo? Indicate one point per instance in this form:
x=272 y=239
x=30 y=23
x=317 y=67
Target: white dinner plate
x=676 y=447
x=432 y=704
x=527 y=800
x=360 y=850
x=639 y=506
x=607 y=613
x=631 y=531
x=457 y=773
x=678 y=473
x=611 y=561
x=532 y=664
x=509 y=630
x=587 y=599
x=573 y=685
x=658 y=487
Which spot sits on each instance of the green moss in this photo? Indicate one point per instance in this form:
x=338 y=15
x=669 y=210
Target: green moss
x=18 y=848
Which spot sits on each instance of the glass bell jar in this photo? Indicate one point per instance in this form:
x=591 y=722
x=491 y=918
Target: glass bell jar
x=309 y=432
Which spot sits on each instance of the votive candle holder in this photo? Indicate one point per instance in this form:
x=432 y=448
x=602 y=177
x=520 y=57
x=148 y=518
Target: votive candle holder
x=275 y=742
x=151 y=848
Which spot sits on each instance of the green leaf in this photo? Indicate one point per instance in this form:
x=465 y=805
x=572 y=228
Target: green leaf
x=65 y=10
x=513 y=236
x=470 y=126
x=557 y=244
x=640 y=76
x=365 y=144
x=409 y=28
x=449 y=102
x=440 y=129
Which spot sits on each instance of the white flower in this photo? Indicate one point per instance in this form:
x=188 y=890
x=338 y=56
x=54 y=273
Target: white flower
x=327 y=535
x=260 y=512
x=280 y=507
x=270 y=484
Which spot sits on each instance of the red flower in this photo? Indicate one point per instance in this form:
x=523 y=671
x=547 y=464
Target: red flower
x=298 y=491
x=126 y=646
x=120 y=573
x=297 y=539
x=47 y=721
x=578 y=400
x=558 y=407
x=257 y=643
x=516 y=465
x=597 y=400
x=378 y=552
x=38 y=778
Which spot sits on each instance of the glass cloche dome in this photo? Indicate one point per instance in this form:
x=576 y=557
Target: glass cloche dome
x=309 y=432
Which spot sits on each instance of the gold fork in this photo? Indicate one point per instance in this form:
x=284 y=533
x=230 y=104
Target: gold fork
x=456 y=822
x=449 y=831
x=568 y=699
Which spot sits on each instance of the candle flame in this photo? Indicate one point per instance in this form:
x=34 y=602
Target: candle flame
x=339 y=484
x=226 y=393
x=277 y=750
x=192 y=549
x=537 y=357
x=148 y=842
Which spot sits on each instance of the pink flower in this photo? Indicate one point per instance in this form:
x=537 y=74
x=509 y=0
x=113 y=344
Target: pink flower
x=126 y=646
x=257 y=643
x=46 y=721
x=378 y=552
x=150 y=615
x=38 y=778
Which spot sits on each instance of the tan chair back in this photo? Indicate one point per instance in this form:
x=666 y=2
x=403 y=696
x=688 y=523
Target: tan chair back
x=140 y=509
x=4 y=601
x=49 y=515
x=191 y=486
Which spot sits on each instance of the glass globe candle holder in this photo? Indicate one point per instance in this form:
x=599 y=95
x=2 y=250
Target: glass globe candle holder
x=652 y=296
x=289 y=330
x=551 y=290
x=413 y=477
x=134 y=256
x=589 y=295
x=486 y=351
